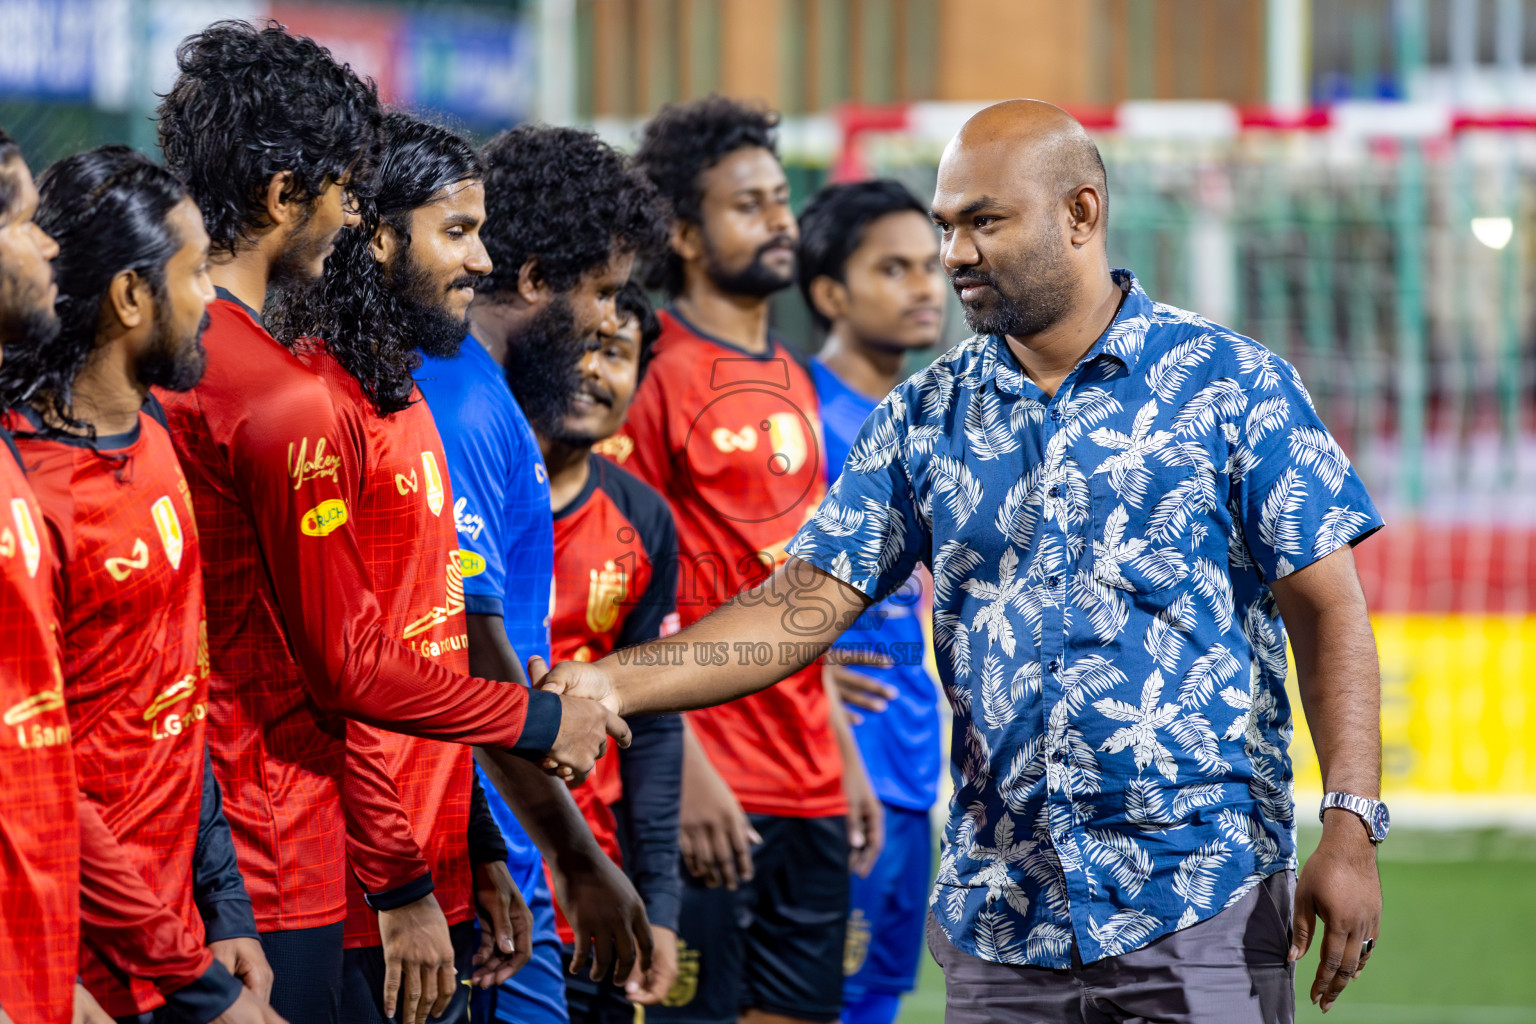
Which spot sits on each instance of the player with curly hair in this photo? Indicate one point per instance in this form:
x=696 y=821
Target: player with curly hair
x=273 y=137
x=776 y=804
x=565 y=217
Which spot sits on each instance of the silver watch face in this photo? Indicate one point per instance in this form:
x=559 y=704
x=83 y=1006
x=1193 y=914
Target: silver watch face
x=1381 y=821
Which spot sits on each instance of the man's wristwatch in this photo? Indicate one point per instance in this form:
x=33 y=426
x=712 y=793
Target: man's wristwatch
x=1372 y=812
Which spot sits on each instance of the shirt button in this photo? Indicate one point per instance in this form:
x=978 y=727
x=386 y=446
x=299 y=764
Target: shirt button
x=1058 y=756
x=1054 y=581
x=1056 y=415
x=1053 y=666
x=1054 y=492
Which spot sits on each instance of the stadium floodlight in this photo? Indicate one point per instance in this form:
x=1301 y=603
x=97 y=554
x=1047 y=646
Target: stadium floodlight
x=1494 y=232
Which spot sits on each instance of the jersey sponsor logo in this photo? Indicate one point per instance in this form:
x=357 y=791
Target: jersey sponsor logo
x=121 y=568
x=440 y=614
x=466 y=522
x=619 y=447
x=325 y=518
x=306 y=464
x=729 y=441
x=539 y=472
x=178 y=691
x=436 y=493
x=37 y=735
x=26 y=536
x=169 y=528
x=470 y=564
x=406 y=484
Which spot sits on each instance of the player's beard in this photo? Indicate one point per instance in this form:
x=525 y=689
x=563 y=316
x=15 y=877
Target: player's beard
x=543 y=364
x=293 y=278
x=27 y=318
x=756 y=279
x=175 y=364
x=420 y=308
x=1027 y=302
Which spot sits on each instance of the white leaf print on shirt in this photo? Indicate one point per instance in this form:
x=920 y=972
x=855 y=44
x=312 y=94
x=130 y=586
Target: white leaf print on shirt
x=986 y=430
x=1168 y=374
x=1222 y=398
x=1340 y=526
x=1124 y=931
x=1195 y=877
x=993 y=615
x=1141 y=735
x=1319 y=452
x=957 y=485
x=1127 y=468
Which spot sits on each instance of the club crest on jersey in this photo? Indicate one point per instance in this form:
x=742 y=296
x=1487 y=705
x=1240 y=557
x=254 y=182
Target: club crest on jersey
x=687 y=984
x=169 y=528
x=325 y=518
x=121 y=568
x=26 y=535
x=434 y=481
x=606 y=591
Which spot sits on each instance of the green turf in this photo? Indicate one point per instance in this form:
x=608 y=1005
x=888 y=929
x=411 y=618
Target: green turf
x=1458 y=938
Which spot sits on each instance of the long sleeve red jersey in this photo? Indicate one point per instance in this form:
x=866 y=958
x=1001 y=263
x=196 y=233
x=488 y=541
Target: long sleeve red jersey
x=403 y=515
x=129 y=597
x=296 y=634
x=730 y=439
x=39 y=837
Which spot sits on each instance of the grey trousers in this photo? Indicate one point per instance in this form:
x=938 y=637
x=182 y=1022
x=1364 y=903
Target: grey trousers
x=1230 y=969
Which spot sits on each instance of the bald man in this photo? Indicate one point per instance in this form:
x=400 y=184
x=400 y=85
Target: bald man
x=1125 y=508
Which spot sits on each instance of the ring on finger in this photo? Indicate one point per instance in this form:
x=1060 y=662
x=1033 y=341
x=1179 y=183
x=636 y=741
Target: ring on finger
x=1366 y=947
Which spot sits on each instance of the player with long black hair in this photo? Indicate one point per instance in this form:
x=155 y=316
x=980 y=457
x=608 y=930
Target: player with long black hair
x=276 y=142
x=166 y=917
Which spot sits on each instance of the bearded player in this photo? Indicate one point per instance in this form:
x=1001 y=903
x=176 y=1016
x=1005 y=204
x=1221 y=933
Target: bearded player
x=398 y=287
x=269 y=133
x=565 y=216
x=616 y=586
x=724 y=428
x=869 y=272
x=166 y=930
x=39 y=837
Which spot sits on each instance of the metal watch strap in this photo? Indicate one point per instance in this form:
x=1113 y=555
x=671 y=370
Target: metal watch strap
x=1361 y=807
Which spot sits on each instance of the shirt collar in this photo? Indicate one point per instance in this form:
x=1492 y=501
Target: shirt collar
x=1123 y=341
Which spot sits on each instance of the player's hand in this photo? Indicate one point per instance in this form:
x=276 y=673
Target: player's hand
x=866 y=818
x=87 y=1009
x=576 y=679
x=858 y=690
x=247 y=1009
x=506 y=926
x=713 y=833
x=607 y=917
x=585 y=726
x=649 y=988
x=1339 y=884
x=419 y=973
x=247 y=961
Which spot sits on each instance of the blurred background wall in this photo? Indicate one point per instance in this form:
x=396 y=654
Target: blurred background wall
x=1347 y=180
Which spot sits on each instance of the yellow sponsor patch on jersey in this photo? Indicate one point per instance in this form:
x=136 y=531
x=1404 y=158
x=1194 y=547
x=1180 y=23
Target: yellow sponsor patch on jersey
x=324 y=518
x=470 y=564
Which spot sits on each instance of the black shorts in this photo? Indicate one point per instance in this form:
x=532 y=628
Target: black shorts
x=593 y=1002
x=362 y=980
x=776 y=944
x=306 y=972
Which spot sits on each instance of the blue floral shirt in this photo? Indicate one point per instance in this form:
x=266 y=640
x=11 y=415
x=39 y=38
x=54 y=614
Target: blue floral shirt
x=1105 y=634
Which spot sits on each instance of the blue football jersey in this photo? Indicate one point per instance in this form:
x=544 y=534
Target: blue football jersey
x=900 y=744
x=506 y=532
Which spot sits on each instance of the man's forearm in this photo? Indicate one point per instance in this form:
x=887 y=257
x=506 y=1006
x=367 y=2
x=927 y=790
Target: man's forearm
x=757 y=638
x=543 y=806
x=1337 y=671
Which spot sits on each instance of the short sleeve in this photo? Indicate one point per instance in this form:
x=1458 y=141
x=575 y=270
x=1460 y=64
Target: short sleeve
x=1295 y=493
x=868 y=532
x=480 y=467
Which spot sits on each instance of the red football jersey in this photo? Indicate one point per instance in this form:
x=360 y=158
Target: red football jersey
x=615 y=552
x=403 y=515
x=128 y=589
x=39 y=837
x=730 y=439
x=292 y=617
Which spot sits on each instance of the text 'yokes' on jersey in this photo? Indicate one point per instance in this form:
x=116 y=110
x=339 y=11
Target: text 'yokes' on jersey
x=730 y=439
x=129 y=595
x=39 y=836
x=403 y=518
